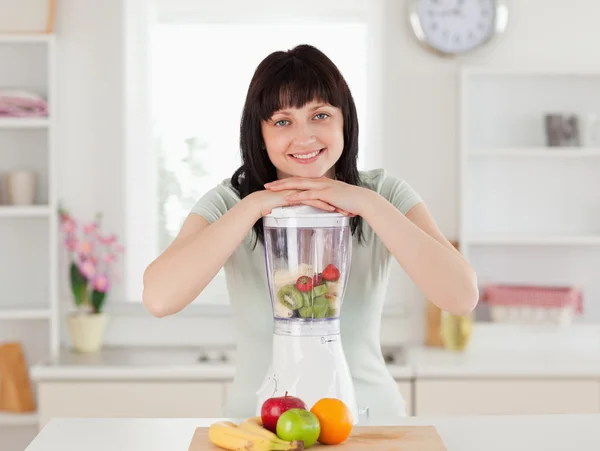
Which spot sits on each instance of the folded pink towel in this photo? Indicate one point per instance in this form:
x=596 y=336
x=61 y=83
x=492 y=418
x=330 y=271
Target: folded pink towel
x=15 y=103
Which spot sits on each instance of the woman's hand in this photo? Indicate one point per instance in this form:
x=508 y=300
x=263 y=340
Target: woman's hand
x=265 y=201
x=345 y=198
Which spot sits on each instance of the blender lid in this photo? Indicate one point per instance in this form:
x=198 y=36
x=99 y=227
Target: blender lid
x=302 y=211
x=304 y=216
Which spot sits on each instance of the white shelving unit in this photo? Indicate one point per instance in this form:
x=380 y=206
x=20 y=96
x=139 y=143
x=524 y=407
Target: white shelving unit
x=29 y=234
x=529 y=213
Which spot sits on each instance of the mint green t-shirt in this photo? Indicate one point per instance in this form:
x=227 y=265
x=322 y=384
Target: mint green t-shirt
x=360 y=316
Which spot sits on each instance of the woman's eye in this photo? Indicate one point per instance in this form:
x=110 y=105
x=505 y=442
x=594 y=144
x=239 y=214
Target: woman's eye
x=323 y=115
x=280 y=123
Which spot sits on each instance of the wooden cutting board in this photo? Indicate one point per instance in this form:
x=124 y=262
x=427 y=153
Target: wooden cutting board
x=363 y=438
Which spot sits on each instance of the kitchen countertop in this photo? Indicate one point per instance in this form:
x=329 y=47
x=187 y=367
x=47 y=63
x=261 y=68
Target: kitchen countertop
x=150 y=364
x=469 y=433
x=493 y=352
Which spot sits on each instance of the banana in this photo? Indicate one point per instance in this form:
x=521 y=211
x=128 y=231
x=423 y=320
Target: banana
x=255 y=425
x=283 y=277
x=229 y=436
x=281 y=311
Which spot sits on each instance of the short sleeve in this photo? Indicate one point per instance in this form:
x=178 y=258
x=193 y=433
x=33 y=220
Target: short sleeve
x=395 y=190
x=216 y=202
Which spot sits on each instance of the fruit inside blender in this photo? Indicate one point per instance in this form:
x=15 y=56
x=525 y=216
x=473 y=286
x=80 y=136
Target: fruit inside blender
x=307 y=294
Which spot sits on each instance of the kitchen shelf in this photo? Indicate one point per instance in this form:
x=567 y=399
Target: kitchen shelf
x=24 y=122
x=537 y=152
x=7 y=313
x=533 y=240
x=29 y=234
x=32 y=211
x=18 y=419
x=529 y=213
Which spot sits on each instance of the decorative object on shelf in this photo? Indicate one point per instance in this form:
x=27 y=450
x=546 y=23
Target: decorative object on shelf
x=92 y=256
x=20 y=187
x=533 y=304
x=433 y=326
x=457 y=27
x=562 y=130
x=16 y=394
x=27 y=16
x=21 y=103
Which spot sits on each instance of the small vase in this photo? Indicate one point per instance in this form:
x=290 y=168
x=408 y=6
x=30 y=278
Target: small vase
x=456 y=331
x=87 y=331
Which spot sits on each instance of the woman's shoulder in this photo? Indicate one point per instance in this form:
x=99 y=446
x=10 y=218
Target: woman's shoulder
x=217 y=201
x=380 y=180
x=225 y=188
x=393 y=188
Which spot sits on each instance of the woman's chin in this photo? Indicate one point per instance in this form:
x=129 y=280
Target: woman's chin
x=309 y=171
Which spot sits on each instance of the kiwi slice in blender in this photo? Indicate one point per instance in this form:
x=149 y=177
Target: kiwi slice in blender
x=306 y=311
x=291 y=297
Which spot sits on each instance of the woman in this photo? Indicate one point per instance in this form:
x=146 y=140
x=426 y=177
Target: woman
x=299 y=145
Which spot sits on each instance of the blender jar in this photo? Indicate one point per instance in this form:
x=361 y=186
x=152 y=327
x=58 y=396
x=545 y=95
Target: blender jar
x=308 y=254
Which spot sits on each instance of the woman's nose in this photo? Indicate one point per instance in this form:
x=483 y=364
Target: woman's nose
x=304 y=135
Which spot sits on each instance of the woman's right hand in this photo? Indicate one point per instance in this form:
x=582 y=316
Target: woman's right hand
x=266 y=201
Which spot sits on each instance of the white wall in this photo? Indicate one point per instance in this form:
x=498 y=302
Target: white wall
x=419 y=132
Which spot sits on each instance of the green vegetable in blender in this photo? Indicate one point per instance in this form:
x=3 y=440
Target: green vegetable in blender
x=319 y=290
x=305 y=311
x=320 y=306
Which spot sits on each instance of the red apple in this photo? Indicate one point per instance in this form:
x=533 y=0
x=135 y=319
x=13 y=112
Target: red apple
x=272 y=409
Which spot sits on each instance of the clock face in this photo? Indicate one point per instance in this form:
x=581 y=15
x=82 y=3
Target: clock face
x=454 y=26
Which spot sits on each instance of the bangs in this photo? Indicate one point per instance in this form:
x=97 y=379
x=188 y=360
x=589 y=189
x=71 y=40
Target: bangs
x=295 y=84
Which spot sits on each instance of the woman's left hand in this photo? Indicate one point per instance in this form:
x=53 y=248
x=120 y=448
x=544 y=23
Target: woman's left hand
x=347 y=199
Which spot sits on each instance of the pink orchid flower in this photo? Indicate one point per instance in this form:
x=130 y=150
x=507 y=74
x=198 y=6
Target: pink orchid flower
x=71 y=243
x=68 y=226
x=88 y=269
x=106 y=240
x=86 y=247
x=109 y=258
x=101 y=283
x=89 y=228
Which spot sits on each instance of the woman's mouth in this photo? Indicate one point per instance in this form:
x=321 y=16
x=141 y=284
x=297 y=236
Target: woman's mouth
x=307 y=157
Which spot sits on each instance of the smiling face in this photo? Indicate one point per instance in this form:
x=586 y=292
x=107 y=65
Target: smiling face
x=305 y=141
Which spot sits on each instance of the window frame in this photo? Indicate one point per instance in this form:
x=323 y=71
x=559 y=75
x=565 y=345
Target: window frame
x=139 y=17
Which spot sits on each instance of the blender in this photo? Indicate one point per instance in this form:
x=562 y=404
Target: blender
x=307 y=253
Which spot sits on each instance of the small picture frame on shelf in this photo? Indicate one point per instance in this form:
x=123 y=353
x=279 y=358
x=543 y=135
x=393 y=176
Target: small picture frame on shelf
x=27 y=16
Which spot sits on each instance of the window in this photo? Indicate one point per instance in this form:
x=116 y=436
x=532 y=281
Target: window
x=199 y=74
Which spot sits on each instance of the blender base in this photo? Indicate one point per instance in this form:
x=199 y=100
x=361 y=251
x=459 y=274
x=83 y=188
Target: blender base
x=309 y=367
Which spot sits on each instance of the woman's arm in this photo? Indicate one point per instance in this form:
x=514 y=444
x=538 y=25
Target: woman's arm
x=197 y=254
x=200 y=250
x=415 y=241
x=438 y=269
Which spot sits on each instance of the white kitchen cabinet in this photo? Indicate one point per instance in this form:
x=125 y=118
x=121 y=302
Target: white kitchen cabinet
x=130 y=399
x=506 y=396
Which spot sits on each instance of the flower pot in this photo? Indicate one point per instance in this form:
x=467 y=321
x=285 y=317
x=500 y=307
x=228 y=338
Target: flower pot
x=87 y=331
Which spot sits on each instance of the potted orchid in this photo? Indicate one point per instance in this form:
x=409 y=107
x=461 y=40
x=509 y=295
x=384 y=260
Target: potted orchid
x=92 y=256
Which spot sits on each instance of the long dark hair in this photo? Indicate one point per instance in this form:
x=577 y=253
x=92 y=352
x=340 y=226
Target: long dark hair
x=286 y=79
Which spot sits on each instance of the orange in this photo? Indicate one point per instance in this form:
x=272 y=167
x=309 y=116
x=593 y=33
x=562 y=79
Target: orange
x=335 y=419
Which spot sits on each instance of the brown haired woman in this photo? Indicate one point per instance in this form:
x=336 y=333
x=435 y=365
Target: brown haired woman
x=299 y=145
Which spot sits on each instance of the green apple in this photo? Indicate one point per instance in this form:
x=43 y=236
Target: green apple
x=299 y=424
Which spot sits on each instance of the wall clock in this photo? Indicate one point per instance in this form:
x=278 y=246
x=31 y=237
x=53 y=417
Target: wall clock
x=455 y=27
